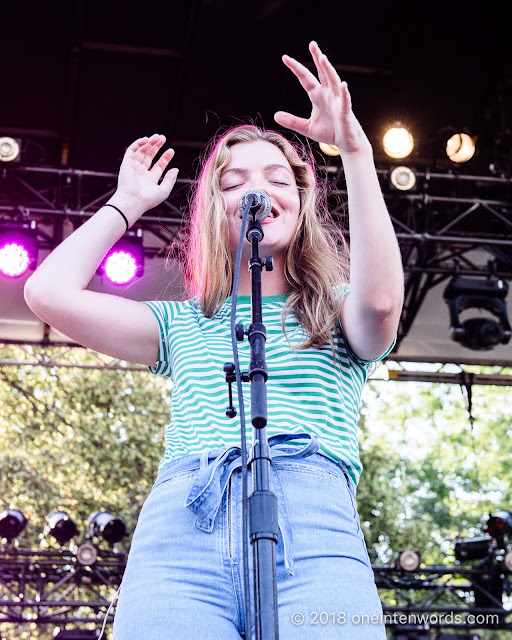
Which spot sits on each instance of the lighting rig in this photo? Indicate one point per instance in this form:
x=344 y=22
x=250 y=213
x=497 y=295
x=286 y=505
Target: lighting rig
x=480 y=333
x=440 y=210
x=462 y=598
x=51 y=586
x=449 y=222
x=38 y=586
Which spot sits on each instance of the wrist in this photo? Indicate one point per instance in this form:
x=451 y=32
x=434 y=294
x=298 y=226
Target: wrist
x=129 y=204
x=361 y=159
x=363 y=152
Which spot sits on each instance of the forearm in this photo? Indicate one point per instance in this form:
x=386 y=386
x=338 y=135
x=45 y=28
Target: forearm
x=376 y=272
x=71 y=266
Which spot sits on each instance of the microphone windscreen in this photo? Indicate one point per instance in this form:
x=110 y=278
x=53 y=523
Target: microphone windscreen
x=261 y=204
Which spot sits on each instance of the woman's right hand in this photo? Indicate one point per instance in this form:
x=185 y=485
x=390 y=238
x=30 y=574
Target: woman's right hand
x=139 y=186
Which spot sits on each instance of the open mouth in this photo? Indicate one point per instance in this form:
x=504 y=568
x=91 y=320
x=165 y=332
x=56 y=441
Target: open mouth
x=271 y=216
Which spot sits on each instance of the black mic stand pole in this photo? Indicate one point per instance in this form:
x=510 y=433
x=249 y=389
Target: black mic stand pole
x=263 y=524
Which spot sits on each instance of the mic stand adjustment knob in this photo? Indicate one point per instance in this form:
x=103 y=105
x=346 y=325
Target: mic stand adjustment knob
x=229 y=370
x=239 y=332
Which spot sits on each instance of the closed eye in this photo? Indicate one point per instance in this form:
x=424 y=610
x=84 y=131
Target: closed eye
x=233 y=186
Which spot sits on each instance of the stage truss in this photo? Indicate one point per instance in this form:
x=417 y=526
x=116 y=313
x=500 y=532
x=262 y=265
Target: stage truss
x=52 y=587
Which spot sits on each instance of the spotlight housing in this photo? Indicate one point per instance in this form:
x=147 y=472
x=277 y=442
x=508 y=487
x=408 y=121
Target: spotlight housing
x=488 y=588
x=460 y=147
x=408 y=560
x=60 y=526
x=403 y=179
x=502 y=164
x=9 y=149
x=482 y=333
x=106 y=526
x=18 y=248
x=398 y=142
x=125 y=260
x=499 y=524
x=86 y=554
x=467 y=549
x=12 y=523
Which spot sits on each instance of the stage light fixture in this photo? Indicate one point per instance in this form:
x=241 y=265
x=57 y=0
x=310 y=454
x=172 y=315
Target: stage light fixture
x=499 y=524
x=60 y=526
x=403 y=178
x=467 y=549
x=12 y=523
x=502 y=164
x=398 y=142
x=125 y=260
x=106 y=526
x=86 y=554
x=329 y=149
x=9 y=149
x=408 y=560
x=479 y=333
x=488 y=588
x=18 y=248
x=460 y=147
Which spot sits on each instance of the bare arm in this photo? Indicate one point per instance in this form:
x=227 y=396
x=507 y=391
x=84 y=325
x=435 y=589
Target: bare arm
x=56 y=292
x=372 y=309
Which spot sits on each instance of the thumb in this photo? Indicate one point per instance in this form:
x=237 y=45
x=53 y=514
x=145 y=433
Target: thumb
x=289 y=121
x=169 y=181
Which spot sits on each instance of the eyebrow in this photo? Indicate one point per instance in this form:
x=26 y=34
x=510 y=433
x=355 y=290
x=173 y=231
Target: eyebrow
x=269 y=167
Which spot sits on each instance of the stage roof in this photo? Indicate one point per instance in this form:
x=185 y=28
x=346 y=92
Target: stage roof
x=81 y=80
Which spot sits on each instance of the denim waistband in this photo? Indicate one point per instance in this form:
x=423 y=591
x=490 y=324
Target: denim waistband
x=216 y=467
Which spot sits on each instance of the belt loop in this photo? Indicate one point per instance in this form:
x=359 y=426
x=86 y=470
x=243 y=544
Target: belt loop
x=203 y=461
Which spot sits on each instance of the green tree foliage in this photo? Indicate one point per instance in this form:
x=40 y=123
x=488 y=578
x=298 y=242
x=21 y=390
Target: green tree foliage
x=77 y=440
x=86 y=439
x=430 y=473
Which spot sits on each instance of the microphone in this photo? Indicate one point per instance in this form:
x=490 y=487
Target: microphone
x=261 y=204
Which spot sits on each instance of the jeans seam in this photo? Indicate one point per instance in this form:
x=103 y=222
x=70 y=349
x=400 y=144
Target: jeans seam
x=174 y=476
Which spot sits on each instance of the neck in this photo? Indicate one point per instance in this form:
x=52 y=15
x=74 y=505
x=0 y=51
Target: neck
x=273 y=282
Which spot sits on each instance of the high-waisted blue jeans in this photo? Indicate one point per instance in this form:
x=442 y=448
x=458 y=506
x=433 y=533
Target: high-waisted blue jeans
x=184 y=575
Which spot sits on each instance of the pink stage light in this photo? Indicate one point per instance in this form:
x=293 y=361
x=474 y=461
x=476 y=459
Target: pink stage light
x=120 y=267
x=125 y=260
x=14 y=259
x=18 y=247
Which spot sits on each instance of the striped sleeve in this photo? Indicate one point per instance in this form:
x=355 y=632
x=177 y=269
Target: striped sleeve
x=165 y=311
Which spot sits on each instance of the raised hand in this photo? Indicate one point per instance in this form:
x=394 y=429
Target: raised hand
x=141 y=181
x=332 y=119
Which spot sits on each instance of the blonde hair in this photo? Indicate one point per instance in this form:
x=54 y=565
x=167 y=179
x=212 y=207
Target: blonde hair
x=316 y=260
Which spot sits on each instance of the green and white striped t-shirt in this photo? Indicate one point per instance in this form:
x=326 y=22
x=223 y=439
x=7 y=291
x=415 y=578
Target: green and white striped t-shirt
x=307 y=390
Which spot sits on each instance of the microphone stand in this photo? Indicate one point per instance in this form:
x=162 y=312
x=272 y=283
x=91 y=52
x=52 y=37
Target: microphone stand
x=263 y=524
x=263 y=507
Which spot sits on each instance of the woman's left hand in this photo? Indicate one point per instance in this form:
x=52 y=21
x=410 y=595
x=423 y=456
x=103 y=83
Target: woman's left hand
x=332 y=119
